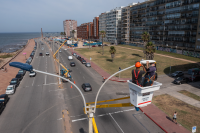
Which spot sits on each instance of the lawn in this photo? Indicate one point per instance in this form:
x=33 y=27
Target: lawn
x=187 y=115
x=166 y=53
x=127 y=57
x=187 y=93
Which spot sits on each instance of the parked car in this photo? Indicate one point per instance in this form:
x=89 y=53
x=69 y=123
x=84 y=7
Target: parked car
x=87 y=64
x=60 y=51
x=74 y=54
x=19 y=76
x=83 y=62
x=15 y=82
x=70 y=58
x=79 y=58
x=32 y=55
x=47 y=53
x=72 y=64
x=22 y=72
x=86 y=87
x=40 y=54
x=4 y=99
x=32 y=74
x=1 y=107
x=10 y=89
x=29 y=59
x=28 y=62
x=177 y=74
x=181 y=80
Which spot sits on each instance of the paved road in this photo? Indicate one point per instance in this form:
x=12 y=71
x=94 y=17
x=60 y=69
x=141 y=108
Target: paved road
x=36 y=105
x=109 y=120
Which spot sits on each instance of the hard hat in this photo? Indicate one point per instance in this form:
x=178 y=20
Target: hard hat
x=138 y=64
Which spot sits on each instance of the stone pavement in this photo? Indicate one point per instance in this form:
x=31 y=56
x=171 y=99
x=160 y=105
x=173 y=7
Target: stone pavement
x=154 y=113
x=6 y=77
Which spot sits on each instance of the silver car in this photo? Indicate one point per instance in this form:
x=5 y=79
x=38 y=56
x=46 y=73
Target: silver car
x=87 y=64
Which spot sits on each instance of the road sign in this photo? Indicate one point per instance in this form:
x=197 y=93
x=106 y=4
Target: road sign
x=194 y=129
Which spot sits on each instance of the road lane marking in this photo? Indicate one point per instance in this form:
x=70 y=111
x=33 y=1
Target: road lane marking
x=116 y=123
x=50 y=83
x=83 y=77
x=59 y=119
x=33 y=81
x=45 y=79
x=79 y=119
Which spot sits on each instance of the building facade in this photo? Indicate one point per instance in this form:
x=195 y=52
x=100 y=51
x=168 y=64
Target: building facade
x=85 y=30
x=69 y=25
x=170 y=23
x=102 y=25
x=113 y=25
x=96 y=27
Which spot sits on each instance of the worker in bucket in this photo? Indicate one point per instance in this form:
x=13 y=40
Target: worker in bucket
x=137 y=74
x=150 y=75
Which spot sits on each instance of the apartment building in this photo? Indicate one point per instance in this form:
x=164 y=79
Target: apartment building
x=170 y=23
x=113 y=25
x=96 y=27
x=85 y=30
x=102 y=25
x=68 y=26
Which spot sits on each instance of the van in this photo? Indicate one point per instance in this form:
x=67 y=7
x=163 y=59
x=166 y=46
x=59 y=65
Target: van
x=196 y=71
x=70 y=58
x=4 y=99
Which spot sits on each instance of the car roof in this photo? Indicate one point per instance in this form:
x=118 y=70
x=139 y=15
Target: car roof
x=10 y=85
x=72 y=62
x=87 y=83
x=18 y=74
x=178 y=71
x=3 y=95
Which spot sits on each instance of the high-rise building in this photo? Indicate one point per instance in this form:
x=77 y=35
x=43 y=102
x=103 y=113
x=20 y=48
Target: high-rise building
x=102 y=24
x=125 y=24
x=170 y=23
x=85 y=30
x=69 y=25
x=96 y=27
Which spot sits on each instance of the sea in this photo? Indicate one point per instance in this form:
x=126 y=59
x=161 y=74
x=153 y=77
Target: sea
x=11 y=42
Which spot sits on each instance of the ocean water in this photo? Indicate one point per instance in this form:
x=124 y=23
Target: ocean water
x=11 y=42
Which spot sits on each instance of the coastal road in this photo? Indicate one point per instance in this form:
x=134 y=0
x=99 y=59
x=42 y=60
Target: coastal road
x=36 y=105
x=109 y=120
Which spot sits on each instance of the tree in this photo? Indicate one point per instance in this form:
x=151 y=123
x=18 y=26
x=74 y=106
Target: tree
x=112 y=52
x=150 y=50
x=103 y=34
x=61 y=33
x=145 y=38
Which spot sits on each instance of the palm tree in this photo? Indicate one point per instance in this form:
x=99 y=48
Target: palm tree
x=112 y=52
x=150 y=50
x=103 y=34
x=145 y=38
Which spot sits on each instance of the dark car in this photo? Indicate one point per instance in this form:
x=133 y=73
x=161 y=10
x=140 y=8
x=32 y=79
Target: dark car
x=72 y=64
x=177 y=74
x=15 y=82
x=4 y=99
x=181 y=80
x=83 y=62
x=28 y=62
x=1 y=107
x=40 y=54
x=86 y=87
x=79 y=58
x=19 y=76
x=22 y=72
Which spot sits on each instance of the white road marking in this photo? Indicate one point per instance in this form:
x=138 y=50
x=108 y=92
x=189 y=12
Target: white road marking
x=33 y=81
x=79 y=119
x=50 y=83
x=59 y=119
x=83 y=77
x=45 y=79
x=116 y=123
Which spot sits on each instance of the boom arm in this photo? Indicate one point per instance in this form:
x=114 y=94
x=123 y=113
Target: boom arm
x=54 y=56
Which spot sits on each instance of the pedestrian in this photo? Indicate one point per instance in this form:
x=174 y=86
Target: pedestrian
x=175 y=117
x=5 y=69
x=137 y=74
x=150 y=75
x=104 y=79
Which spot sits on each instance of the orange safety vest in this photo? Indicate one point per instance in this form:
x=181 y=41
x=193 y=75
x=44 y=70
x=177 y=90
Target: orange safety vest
x=136 y=78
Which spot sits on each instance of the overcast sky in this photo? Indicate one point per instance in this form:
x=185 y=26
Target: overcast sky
x=32 y=15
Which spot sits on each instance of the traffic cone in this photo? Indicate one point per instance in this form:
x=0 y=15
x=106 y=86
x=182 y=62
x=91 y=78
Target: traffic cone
x=71 y=86
x=74 y=82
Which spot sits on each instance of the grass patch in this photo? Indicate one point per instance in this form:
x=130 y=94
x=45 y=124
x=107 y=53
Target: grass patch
x=127 y=57
x=6 y=56
x=189 y=94
x=188 y=116
x=166 y=53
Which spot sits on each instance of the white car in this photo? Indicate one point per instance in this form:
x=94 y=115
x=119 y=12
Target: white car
x=60 y=51
x=87 y=64
x=10 y=89
x=70 y=58
x=32 y=74
x=47 y=53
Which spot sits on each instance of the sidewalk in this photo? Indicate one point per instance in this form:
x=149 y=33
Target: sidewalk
x=151 y=111
x=6 y=77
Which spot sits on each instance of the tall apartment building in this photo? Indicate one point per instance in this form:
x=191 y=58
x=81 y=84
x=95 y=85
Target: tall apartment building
x=170 y=23
x=96 y=27
x=69 y=25
x=102 y=25
x=113 y=25
x=85 y=30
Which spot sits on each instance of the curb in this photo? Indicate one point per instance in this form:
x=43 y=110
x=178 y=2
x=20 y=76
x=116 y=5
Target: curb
x=153 y=120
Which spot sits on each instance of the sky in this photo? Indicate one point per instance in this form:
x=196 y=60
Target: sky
x=32 y=15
